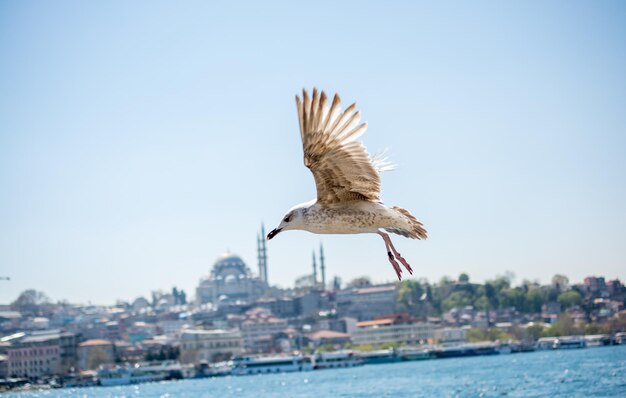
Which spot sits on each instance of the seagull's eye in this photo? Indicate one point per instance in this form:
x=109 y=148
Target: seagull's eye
x=287 y=219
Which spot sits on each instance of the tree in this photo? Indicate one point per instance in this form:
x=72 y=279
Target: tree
x=511 y=297
x=560 y=282
x=490 y=334
x=463 y=278
x=534 y=331
x=563 y=327
x=30 y=301
x=409 y=296
x=534 y=300
x=501 y=282
x=593 y=328
x=569 y=299
x=481 y=303
x=457 y=300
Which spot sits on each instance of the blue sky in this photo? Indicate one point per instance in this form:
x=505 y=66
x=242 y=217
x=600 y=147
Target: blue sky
x=140 y=140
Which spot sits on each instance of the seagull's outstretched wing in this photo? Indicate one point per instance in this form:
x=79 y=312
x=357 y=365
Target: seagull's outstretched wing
x=341 y=166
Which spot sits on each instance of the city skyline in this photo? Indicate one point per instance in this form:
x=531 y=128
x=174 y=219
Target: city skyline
x=314 y=278
x=138 y=143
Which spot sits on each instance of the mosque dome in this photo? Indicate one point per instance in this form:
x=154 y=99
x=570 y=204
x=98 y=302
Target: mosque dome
x=229 y=264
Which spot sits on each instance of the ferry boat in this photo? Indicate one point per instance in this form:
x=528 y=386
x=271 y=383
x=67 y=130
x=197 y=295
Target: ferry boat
x=86 y=378
x=205 y=369
x=248 y=365
x=569 y=342
x=598 y=340
x=140 y=373
x=558 y=343
x=466 y=350
x=122 y=375
x=546 y=343
x=336 y=359
x=413 y=353
x=379 y=356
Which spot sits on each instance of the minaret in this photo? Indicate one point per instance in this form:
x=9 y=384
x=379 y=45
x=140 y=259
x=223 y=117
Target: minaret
x=262 y=255
x=314 y=270
x=259 y=256
x=322 y=266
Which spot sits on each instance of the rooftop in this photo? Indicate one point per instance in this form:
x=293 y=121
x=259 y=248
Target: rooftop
x=375 y=322
x=327 y=334
x=375 y=289
x=94 y=342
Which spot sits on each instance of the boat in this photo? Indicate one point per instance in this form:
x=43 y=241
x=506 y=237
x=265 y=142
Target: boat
x=142 y=372
x=86 y=378
x=379 y=356
x=546 y=343
x=598 y=340
x=570 y=342
x=413 y=353
x=247 y=365
x=336 y=359
x=122 y=375
x=204 y=369
x=466 y=350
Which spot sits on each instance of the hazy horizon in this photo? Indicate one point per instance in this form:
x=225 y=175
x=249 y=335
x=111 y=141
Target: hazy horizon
x=139 y=141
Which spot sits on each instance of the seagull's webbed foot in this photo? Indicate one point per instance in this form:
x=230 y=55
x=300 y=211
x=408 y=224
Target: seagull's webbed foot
x=395 y=265
x=394 y=255
x=403 y=261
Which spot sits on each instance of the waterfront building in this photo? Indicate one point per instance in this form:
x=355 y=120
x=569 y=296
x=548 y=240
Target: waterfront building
x=42 y=354
x=366 y=303
x=392 y=330
x=322 y=337
x=199 y=345
x=95 y=352
x=127 y=352
x=4 y=366
x=230 y=282
x=450 y=336
x=259 y=327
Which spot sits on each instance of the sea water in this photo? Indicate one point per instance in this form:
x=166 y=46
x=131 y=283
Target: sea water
x=591 y=372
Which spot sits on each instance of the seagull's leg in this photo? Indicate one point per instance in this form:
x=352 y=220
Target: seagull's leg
x=392 y=260
x=396 y=254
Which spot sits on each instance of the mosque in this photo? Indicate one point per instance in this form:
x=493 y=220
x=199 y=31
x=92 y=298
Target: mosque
x=232 y=282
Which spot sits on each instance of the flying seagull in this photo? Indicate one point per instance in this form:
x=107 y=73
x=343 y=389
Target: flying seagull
x=347 y=180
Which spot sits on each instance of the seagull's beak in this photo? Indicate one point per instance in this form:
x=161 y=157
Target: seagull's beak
x=273 y=233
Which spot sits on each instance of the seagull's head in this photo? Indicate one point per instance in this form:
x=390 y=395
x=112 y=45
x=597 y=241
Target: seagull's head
x=294 y=219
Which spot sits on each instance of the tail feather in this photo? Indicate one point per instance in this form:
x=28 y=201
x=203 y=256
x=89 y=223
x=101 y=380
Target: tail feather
x=416 y=229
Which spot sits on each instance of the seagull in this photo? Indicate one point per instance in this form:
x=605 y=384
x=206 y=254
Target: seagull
x=347 y=180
